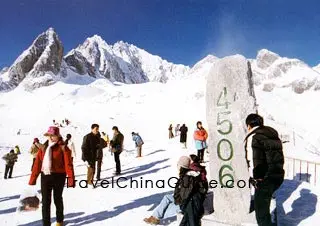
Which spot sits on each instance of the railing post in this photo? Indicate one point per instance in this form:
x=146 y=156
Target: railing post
x=300 y=170
x=307 y=171
x=315 y=174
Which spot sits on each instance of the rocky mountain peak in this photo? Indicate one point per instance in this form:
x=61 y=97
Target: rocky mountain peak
x=265 y=58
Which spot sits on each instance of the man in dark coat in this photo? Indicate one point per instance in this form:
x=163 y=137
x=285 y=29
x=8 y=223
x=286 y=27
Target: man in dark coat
x=90 y=146
x=265 y=161
x=183 y=135
x=10 y=159
x=117 y=146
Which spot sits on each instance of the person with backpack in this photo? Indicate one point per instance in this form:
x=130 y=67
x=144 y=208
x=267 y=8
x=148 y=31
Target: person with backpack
x=90 y=146
x=265 y=160
x=36 y=146
x=200 y=136
x=54 y=163
x=189 y=193
x=138 y=142
x=11 y=158
x=69 y=142
x=117 y=147
x=183 y=135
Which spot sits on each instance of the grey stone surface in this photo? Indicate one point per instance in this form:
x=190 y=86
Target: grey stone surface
x=230 y=98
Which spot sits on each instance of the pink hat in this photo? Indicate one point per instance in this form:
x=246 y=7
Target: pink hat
x=35 y=140
x=53 y=130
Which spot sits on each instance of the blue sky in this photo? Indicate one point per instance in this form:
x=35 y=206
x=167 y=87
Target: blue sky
x=179 y=31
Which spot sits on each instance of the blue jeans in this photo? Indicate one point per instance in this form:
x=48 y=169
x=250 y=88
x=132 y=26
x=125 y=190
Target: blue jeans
x=166 y=208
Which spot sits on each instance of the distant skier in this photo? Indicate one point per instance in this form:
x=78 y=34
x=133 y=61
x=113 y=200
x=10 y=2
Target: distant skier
x=117 y=147
x=265 y=161
x=200 y=136
x=11 y=158
x=19 y=132
x=138 y=142
x=54 y=163
x=183 y=135
x=170 y=132
x=69 y=142
x=103 y=144
x=36 y=146
x=90 y=146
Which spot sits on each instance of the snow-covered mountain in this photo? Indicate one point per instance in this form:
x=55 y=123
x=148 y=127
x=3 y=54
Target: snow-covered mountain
x=43 y=63
x=317 y=68
x=273 y=71
x=37 y=66
x=121 y=62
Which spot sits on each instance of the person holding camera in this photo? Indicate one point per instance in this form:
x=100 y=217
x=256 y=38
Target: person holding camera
x=90 y=147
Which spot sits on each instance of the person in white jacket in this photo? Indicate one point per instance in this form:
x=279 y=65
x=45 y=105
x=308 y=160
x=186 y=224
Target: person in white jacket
x=71 y=146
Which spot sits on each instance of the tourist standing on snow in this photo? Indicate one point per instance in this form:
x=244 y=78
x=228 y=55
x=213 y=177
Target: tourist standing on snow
x=69 y=142
x=54 y=163
x=265 y=161
x=183 y=135
x=177 y=130
x=102 y=145
x=36 y=146
x=117 y=147
x=11 y=158
x=138 y=142
x=189 y=193
x=90 y=146
x=200 y=136
x=170 y=132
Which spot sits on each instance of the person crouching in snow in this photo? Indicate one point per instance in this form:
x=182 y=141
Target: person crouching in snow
x=36 y=146
x=10 y=159
x=188 y=194
x=139 y=142
x=54 y=163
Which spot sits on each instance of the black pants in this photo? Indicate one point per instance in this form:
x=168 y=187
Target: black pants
x=54 y=182
x=99 y=163
x=201 y=154
x=117 y=160
x=262 y=199
x=7 y=170
x=193 y=211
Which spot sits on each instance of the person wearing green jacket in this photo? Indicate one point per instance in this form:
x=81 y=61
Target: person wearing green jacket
x=10 y=158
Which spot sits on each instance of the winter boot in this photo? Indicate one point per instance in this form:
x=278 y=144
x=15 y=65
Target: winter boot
x=152 y=220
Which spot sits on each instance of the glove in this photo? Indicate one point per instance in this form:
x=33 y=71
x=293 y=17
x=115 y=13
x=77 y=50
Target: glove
x=71 y=183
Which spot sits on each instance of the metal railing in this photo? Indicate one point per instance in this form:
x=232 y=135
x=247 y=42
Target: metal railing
x=302 y=170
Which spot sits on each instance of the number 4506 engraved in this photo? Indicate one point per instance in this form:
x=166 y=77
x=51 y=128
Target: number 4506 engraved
x=223 y=102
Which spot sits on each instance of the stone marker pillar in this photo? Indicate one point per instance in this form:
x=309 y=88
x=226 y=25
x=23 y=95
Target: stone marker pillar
x=230 y=98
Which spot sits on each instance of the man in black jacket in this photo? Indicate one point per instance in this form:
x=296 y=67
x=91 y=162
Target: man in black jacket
x=117 y=146
x=90 y=147
x=265 y=161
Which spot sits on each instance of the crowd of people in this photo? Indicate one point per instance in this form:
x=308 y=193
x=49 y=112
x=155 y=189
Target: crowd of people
x=54 y=161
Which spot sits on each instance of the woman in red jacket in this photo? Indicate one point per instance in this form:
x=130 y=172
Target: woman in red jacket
x=54 y=162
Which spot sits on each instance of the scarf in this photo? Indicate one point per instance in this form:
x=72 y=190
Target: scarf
x=47 y=160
